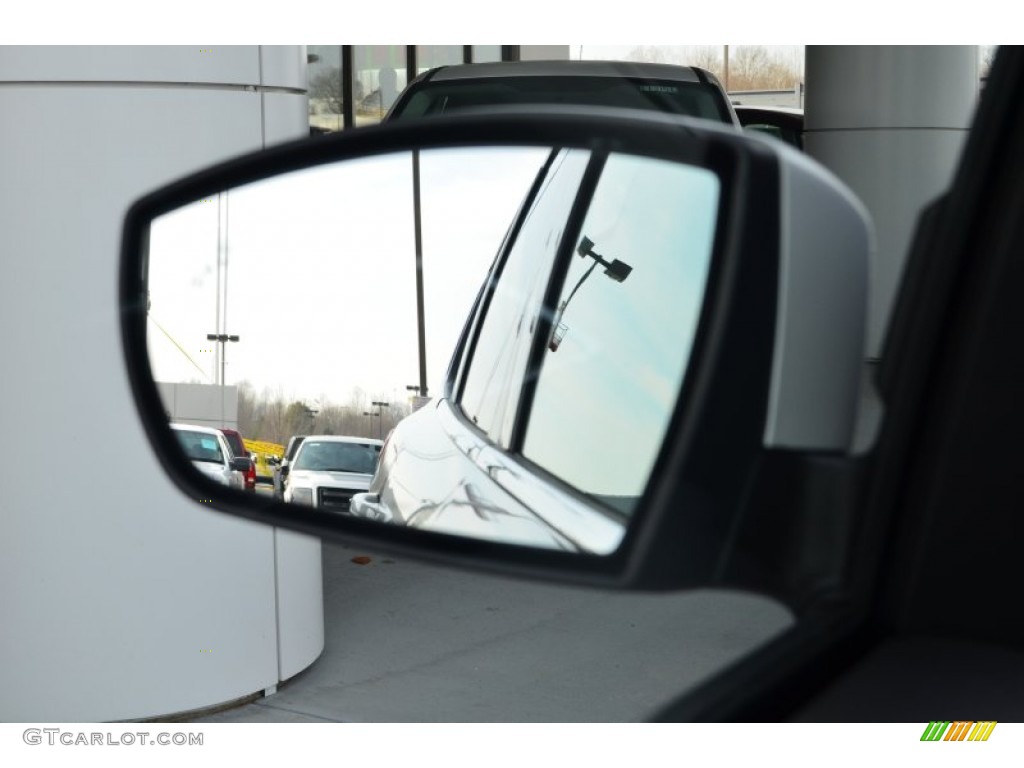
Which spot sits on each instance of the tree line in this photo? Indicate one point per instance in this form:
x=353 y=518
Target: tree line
x=272 y=417
x=751 y=67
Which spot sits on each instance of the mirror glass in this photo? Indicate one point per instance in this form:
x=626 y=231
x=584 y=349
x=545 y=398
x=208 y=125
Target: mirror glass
x=292 y=310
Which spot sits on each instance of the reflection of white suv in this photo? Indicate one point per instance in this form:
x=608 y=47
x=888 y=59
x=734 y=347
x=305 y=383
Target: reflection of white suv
x=210 y=454
x=329 y=469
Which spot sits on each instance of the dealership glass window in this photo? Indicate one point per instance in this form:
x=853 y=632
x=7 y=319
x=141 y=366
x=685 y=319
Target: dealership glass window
x=326 y=94
x=379 y=75
x=430 y=56
x=485 y=53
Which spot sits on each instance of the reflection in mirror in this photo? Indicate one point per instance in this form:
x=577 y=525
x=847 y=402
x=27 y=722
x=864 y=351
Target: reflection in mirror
x=289 y=306
x=583 y=387
x=290 y=310
x=621 y=339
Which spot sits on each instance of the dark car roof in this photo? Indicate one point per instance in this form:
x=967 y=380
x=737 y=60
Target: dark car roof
x=564 y=68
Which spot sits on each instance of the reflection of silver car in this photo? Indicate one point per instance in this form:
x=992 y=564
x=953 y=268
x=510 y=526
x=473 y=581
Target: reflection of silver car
x=329 y=469
x=210 y=454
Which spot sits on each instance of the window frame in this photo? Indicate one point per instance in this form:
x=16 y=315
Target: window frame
x=521 y=400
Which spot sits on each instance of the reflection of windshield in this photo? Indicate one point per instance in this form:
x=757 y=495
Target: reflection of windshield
x=338 y=457
x=681 y=98
x=235 y=444
x=200 y=447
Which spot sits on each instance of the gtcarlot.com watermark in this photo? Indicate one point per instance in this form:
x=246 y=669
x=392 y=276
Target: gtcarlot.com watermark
x=55 y=736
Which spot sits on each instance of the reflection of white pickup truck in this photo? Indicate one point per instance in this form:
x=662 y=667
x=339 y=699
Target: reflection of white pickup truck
x=327 y=470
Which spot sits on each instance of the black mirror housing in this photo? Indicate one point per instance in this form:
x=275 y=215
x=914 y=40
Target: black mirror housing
x=779 y=338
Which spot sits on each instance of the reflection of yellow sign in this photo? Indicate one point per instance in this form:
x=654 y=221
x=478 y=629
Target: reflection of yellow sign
x=261 y=451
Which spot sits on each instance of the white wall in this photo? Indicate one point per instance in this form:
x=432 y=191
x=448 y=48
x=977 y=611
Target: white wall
x=120 y=598
x=208 y=405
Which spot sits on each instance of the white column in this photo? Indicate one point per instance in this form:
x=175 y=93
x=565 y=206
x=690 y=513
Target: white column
x=890 y=121
x=121 y=598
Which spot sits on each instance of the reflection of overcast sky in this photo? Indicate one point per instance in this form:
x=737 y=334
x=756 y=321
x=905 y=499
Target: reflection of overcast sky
x=321 y=272
x=627 y=344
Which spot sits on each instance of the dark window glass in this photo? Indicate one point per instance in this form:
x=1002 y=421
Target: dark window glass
x=623 y=328
x=293 y=446
x=380 y=75
x=484 y=53
x=236 y=444
x=430 y=56
x=499 y=360
x=333 y=456
x=199 y=446
x=325 y=88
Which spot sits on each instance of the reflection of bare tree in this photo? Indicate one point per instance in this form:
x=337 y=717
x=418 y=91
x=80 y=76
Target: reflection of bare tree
x=325 y=89
x=751 y=67
x=273 y=418
x=754 y=67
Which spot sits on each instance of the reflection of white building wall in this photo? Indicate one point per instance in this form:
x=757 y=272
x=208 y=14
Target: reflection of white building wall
x=120 y=598
x=206 y=405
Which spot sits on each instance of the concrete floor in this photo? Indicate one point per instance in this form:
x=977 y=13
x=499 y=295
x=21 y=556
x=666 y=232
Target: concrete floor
x=412 y=643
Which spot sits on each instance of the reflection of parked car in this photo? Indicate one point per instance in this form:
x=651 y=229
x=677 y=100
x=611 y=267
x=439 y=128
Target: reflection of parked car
x=237 y=446
x=784 y=123
x=328 y=469
x=209 y=451
x=281 y=470
x=661 y=87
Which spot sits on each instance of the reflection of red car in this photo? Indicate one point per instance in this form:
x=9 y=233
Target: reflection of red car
x=237 y=445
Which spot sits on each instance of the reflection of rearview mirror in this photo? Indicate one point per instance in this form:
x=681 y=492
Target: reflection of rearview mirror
x=719 y=338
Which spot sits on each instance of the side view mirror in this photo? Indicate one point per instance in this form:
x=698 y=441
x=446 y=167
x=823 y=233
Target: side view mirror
x=641 y=327
x=241 y=464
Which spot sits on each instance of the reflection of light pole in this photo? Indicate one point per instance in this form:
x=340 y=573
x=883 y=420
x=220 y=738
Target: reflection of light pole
x=418 y=231
x=311 y=413
x=380 y=417
x=223 y=339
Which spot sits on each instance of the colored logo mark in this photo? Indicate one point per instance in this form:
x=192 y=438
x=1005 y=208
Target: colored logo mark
x=958 y=730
